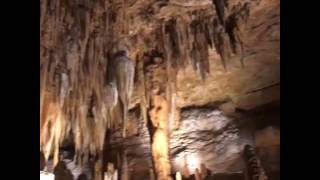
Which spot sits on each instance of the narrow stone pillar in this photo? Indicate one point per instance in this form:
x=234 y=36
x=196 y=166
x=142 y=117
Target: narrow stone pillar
x=98 y=170
x=159 y=116
x=254 y=169
x=124 y=167
x=160 y=145
x=178 y=176
x=197 y=174
x=98 y=167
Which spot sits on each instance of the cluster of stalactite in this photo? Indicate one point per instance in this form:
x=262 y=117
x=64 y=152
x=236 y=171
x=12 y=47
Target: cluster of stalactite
x=254 y=170
x=187 y=39
x=87 y=77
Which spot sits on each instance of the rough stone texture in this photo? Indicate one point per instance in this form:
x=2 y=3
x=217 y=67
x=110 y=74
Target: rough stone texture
x=267 y=137
x=207 y=136
x=137 y=145
x=262 y=67
x=67 y=169
x=234 y=85
x=257 y=83
x=78 y=171
x=267 y=141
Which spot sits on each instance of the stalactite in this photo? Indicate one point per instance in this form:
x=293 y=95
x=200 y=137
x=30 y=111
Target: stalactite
x=219 y=42
x=142 y=88
x=187 y=40
x=81 y=80
x=172 y=97
x=184 y=39
x=181 y=41
x=220 y=8
x=124 y=76
x=73 y=70
x=201 y=46
x=64 y=90
x=111 y=95
x=125 y=17
x=233 y=28
x=51 y=131
x=209 y=31
x=75 y=37
x=43 y=82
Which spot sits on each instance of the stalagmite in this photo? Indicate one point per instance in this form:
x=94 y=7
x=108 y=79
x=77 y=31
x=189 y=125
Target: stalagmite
x=178 y=176
x=197 y=174
x=159 y=116
x=185 y=171
x=98 y=170
x=203 y=171
x=254 y=169
x=124 y=167
x=160 y=148
x=111 y=173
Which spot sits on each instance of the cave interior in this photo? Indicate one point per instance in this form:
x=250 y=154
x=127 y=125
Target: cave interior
x=160 y=89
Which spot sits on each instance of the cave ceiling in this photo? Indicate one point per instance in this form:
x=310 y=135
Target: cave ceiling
x=255 y=83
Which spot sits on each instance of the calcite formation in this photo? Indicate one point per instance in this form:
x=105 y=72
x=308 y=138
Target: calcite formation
x=165 y=61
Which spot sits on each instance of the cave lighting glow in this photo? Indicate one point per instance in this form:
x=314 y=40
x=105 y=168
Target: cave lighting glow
x=193 y=162
x=46 y=176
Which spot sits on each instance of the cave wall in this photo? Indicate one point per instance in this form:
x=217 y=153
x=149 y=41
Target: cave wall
x=206 y=135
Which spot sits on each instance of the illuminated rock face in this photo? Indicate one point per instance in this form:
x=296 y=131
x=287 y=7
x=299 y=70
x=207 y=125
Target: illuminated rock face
x=207 y=136
x=46 y=176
